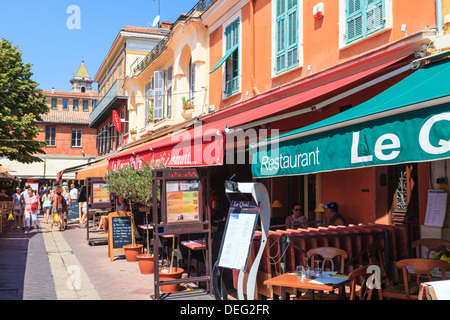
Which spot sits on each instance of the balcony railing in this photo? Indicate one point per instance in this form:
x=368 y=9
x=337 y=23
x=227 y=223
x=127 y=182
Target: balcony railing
x=196 y=11
x=114 y=92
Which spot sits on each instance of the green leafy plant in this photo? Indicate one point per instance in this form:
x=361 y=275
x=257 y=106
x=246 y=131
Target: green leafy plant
x=187 y=104
x=135 y=186
x=22 y=105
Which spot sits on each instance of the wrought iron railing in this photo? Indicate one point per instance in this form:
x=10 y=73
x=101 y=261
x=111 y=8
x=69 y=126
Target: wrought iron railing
x=196 y=11
x=113 y=92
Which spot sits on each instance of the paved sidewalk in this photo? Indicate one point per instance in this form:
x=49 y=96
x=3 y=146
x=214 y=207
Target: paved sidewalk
x=44 y=265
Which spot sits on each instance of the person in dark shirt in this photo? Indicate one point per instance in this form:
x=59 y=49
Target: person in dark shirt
x=332 y=215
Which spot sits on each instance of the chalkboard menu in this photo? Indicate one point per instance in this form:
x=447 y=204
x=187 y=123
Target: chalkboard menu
x=74 y=212
x=120 y=231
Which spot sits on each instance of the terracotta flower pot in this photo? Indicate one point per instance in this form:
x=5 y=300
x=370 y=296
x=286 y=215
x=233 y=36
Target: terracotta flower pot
x=132 y=251
x=187 y=114
x=146 y=263
x=166 y=275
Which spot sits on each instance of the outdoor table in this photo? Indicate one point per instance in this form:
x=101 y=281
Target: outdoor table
x=329 y=281
x=193 y=245
x=435 y=290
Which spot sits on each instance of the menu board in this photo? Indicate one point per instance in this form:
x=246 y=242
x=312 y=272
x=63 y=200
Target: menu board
x=100 y=192
x=74 y=212
x=120 y=232
x=182 y=201
x=238 y=235
x=436 y=208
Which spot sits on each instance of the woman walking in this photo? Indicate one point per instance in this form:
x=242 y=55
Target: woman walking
x=32 y=207
x=57 y=209
x=17 y=208
x=67 y=207
x=47 y=204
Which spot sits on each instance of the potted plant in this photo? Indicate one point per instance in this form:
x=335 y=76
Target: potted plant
x=188 y=108
x=142 y=194
x=121 y=184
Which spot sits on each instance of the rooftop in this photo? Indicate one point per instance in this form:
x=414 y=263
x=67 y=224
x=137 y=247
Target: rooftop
x=74 y=117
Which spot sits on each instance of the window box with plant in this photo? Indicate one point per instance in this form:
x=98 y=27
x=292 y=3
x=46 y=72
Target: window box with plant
x=188 y=108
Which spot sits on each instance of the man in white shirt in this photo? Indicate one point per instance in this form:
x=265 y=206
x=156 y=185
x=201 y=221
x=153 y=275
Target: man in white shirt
x=73 y=192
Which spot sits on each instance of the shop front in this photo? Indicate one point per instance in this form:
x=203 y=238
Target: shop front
x=374 y=159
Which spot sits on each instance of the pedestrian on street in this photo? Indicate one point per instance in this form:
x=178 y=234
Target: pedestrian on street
x=32 y=207
x=17 y=208
x=23 y=197
x=68 y=206
x=58 y=200
x=47 y=204
x=73 y=192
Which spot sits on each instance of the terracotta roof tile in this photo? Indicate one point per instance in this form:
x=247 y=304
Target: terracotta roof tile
x=143 y=30
x=75 y=117
x=66 y=94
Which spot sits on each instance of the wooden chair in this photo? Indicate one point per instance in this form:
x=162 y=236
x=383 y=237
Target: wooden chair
x=433 y=245
x=327 y=254
x=423 y=267
x=359 y=278
x=375 y=253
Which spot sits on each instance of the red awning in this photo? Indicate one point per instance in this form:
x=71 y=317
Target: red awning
x=204 y=144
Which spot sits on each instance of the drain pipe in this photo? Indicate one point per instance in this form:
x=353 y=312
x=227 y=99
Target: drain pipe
x=439 y=19
x=252 y=32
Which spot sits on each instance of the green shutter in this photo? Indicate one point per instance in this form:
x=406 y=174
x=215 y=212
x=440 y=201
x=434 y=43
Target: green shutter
x=363 y=18
x=231 y=58
x=286 y=35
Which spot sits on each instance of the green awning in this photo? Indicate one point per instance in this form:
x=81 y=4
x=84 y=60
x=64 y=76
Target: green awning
x=409 y=122
x=224 y=58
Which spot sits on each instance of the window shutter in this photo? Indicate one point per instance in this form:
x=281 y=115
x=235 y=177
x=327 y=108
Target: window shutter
x=286 y=34
x=158 y=90
x=146 y=101
x=354 y=19
x=191 y=81
x=169 y=91
x=375 y=15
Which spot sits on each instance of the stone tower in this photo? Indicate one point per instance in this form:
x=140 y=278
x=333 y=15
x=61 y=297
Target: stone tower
x=81 y=82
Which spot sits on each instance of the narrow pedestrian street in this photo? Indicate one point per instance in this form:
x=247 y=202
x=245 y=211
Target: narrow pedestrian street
x=44 y=265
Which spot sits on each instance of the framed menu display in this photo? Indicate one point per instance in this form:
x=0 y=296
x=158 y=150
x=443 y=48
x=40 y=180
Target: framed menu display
x=238 y=235
x=100 y=192
x=436 y=208
x=182 y=199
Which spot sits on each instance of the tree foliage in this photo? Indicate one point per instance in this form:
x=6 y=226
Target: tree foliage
x=21 y=105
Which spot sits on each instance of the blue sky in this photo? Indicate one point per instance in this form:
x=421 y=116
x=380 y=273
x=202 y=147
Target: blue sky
x=40 y=30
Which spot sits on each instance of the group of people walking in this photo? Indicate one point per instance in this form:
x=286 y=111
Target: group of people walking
x=55 y=202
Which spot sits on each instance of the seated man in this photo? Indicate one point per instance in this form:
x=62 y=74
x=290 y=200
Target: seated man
x=332 y=215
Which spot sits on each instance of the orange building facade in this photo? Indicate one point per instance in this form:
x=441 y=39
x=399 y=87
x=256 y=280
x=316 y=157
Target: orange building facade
x=268 y=51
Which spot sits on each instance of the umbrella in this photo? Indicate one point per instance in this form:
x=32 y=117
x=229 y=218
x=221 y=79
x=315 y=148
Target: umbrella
x=5 y=169
x=6 y=176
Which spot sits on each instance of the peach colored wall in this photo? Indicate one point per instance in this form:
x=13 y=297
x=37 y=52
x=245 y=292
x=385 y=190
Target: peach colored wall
x=354 y=192
x=320 y=43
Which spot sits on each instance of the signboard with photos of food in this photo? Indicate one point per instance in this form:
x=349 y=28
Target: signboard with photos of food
x=182 y=200
x=100 y=192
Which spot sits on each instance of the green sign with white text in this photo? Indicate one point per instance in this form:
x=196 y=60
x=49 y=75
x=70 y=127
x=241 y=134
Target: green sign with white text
x=415 y=136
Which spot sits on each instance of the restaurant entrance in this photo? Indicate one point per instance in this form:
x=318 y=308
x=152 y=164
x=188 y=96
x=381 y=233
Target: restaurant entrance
x=404 y=195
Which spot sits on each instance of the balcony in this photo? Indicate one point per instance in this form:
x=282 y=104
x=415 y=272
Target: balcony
x=196 y=11
x=111 y=101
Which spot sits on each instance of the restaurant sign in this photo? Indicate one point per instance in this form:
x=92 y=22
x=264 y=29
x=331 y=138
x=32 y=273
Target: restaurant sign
x=416 y=136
